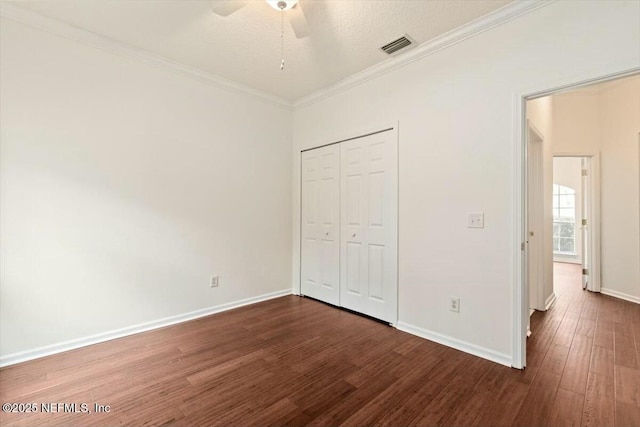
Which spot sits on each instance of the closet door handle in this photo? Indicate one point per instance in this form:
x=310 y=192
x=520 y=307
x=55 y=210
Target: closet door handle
x=353 y=235
x=326 y=233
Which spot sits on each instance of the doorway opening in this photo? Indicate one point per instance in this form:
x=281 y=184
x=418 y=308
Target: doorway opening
x=572 y=131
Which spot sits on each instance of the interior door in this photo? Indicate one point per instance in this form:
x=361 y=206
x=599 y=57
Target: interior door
x=320 y=262
x=535 y=242
x=368 y=244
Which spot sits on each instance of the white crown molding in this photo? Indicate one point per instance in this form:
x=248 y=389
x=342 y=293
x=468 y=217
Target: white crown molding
x=471 y=29
x=36 y=353
x=62 y=29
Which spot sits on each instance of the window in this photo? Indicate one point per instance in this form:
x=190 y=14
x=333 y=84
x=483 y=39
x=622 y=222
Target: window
x=564 y=220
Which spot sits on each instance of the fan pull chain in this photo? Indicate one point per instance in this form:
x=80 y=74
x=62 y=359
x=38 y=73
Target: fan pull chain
x=282 y=39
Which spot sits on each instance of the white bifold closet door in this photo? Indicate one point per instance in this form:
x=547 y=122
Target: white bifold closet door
x=369 y=224
x=349 y=224
x=320 y=263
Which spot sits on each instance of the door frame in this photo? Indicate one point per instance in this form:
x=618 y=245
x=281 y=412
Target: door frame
x=343 y=136
x=545 y=87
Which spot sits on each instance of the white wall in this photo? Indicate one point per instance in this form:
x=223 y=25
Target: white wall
x=456 y=110
x=620 y=129
x=124 y=187
x=567 y=171
x=576 y=122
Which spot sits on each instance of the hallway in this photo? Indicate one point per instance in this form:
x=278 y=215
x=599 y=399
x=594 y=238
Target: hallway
x=587 y=347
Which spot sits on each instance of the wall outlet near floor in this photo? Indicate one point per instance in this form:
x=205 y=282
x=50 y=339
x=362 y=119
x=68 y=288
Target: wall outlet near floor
x=215 y=281
x=476 y=220
x=454 y=304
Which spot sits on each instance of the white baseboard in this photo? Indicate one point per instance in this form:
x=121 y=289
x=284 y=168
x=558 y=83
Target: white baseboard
x=550 y=300
x=23 y=356
x=485 y=353
x=620 y=295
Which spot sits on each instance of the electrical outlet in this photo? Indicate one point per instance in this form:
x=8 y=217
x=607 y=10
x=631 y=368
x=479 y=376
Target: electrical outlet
x=215 y=281
x=476 y=220
x=454 y=304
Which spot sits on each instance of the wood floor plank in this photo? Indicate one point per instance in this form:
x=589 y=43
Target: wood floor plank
x=627 y=385
x=470 y=412
x=534 y=360
x=483 y=396
x=590 y=310
x=319 y=401
x=602 y=361
x=625 y=349
x=566 y=330
x=567 y=409
x=627 y=415
x=543 y=337
x=537 y=405
x=603 y=334
x=504 y=410
x=397 y=396
x=366 y=392
x=586 y=327
x=411 y=406
x=574 y=377
x=598 y=411
x=599 y=404
x=555 y=360
x=444 y=403
x=635 y=326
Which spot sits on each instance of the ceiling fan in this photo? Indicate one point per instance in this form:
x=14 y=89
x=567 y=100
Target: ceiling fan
x=293 y=9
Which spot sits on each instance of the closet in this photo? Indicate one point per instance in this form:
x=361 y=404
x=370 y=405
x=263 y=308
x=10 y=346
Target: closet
x=349 y=217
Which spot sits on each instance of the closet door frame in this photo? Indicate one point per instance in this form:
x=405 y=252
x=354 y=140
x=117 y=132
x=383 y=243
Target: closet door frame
x=340 y=137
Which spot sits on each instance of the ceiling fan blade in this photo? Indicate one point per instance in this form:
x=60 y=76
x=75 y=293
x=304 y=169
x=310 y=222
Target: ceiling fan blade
x=227 y=7
x=298 y=21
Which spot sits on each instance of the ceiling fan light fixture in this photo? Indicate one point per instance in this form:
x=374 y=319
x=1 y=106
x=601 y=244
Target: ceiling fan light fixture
x=282 y=4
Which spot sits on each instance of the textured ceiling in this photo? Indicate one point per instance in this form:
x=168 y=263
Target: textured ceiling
x=244 y=47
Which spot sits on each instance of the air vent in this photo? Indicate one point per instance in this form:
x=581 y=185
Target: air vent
x=398 y=44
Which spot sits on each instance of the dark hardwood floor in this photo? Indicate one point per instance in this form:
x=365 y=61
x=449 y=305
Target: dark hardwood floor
x=295 y=361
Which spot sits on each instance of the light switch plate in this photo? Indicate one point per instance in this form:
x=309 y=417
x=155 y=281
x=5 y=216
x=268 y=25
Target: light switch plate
x=476 y=220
